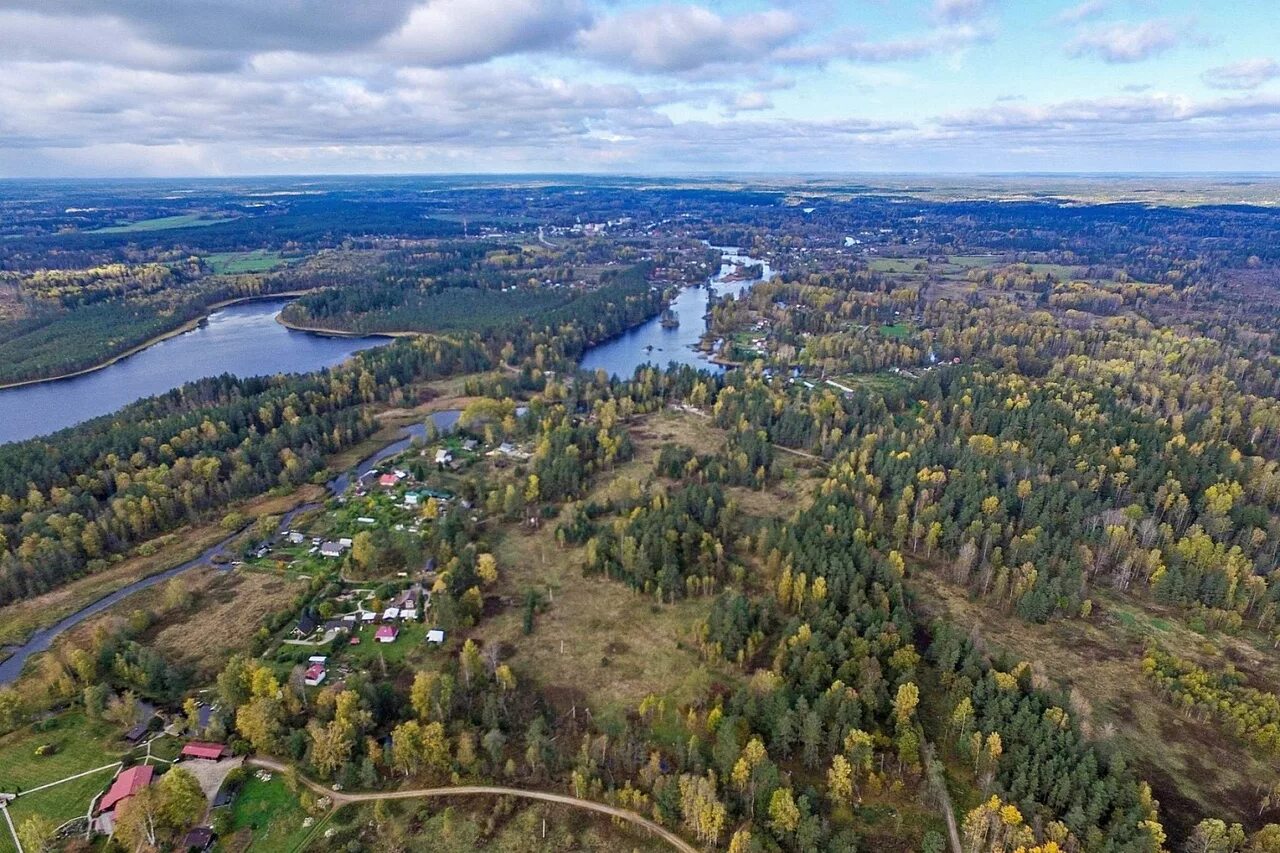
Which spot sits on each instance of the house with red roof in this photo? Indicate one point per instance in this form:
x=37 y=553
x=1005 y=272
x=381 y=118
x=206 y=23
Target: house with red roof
x=314 y=675
x=203 y=750
x=125 y=785
x=388 y=481
x=387 y=634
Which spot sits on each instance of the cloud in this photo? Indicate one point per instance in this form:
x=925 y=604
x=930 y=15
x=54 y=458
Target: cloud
x=749 y=102
x=1247 y=74
x=1081 y=11
x=242 y=26
x=26 y=35
x=672 y=39
x=960 y=10
x=459 y=32
x=1116 y=112
x=1126 y=42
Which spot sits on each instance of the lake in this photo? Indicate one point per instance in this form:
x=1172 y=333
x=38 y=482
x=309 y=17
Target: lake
x=242 y=339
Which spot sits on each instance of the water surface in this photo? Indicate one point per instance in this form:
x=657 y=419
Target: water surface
x=651 y=343
x=242 y=339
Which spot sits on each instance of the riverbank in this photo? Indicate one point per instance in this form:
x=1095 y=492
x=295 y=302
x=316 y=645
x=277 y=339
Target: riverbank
x=32 y=626
x=182 y=329
x=20 y=620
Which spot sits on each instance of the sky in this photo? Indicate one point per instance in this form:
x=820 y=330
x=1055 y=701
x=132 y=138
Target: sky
x=226 y=87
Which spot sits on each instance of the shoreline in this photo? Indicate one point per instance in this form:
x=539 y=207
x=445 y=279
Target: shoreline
x=182 y=329
x=342 y=333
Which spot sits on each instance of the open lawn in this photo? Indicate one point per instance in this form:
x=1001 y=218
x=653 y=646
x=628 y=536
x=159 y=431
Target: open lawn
x=370 y=653
x=882 y=383
x=896 y=265
x=974 y=261
x=80 y=744
x=595 y=641
x=897 y=331
x=234 y=263
x=62 y=802
x=160 y=223
x=265 y=816
x=1194 y=767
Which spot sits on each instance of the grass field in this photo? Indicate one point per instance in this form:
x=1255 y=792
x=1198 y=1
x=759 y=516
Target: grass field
x=81 y=744
x=883 y=383
x=160 y=223
x=265 y=816
x=898 y=331
x=62 y=802
x=234 y=263
x=371 y=653
x=973 y=261
x=896 y=265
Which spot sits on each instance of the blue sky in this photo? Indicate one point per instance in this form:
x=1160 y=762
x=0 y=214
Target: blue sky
x=194 y=87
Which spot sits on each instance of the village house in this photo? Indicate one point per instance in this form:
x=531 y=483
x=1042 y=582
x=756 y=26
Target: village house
x=387 y=634
x=332 y=549
x=435 y=635
x=307 y=625
x=204 y=751
x=124 y=786
x=315 y=675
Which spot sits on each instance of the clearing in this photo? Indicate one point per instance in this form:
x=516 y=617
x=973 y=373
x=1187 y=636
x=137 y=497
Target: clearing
x=234 y=263
x=160 y=223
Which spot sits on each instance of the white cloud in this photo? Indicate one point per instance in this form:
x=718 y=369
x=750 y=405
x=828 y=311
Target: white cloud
x=1082 y=11
x=1126 y=42
x=960 y=10
x=672 y=38
x=1247 y=74
x=459 y=32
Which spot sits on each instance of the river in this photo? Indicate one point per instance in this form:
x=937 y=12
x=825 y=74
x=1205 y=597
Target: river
x=12 y=666
x=242 y=339
x=652 y=343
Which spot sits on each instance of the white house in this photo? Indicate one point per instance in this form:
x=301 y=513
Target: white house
x=435 y=635
x=314 y=675
x=443 y=457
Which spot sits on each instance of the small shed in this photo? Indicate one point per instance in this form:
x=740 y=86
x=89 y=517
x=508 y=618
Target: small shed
x=199 y=839
x=435 y=635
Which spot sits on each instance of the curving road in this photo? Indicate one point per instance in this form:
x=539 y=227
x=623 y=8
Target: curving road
x=341 y=798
